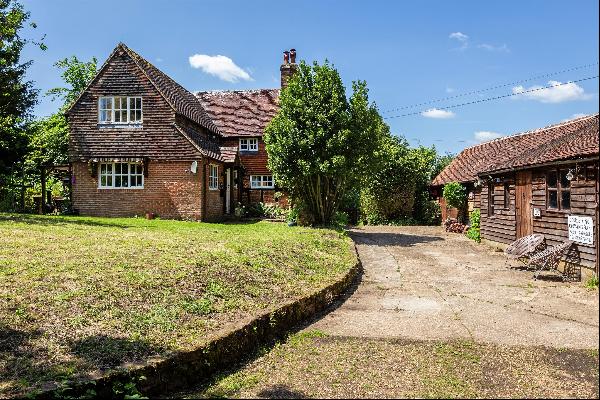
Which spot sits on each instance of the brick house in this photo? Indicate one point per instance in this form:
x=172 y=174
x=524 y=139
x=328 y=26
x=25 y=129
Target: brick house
x=534 y=182
x=141 y=143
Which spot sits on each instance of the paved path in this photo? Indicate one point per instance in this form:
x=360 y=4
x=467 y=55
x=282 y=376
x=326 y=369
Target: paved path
x=423 y=283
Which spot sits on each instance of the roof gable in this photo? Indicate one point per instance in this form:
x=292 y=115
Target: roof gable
x=181 y=101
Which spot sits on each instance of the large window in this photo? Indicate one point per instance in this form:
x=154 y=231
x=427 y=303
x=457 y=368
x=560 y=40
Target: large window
x=558 y=188
x=120 y=110
x=213 y=177
x=249 y=144
x=121 y=176
x=261 y=182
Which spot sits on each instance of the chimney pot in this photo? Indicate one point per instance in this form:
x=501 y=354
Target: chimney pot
x=288 y=69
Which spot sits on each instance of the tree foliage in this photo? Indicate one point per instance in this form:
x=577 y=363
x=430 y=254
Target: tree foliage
x=455 y=195
x=17 y=95
x=77 y=75
x=321 y=144
x=50 y=135
x=389 y=194
x=398 y=192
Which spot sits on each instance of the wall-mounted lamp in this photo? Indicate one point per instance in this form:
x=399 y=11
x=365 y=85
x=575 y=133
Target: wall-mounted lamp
x=570 y=175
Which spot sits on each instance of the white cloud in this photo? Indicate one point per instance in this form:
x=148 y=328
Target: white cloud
x=438 y=114
x=556 y=94
x=159 y=59
x=484 y=136
x=449 y=90
x=220 y=66
x=461 y=37
x=489 y=47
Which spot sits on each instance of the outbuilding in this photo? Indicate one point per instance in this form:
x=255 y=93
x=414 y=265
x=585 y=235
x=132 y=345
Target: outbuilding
x=541 y=181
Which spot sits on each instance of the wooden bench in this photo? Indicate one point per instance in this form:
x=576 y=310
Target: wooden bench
x=549 y=258
x=523 y=248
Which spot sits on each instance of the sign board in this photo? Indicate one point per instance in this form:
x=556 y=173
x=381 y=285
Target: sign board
x=581 y=229
x=537 y=212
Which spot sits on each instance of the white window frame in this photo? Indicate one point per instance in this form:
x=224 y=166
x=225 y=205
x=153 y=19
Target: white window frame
x=213 y=177
x=134 y=171
x=261 y=182
x=249 y=144
x=112 y=111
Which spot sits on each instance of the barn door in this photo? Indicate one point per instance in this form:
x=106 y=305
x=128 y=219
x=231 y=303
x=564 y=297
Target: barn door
x=523 y=204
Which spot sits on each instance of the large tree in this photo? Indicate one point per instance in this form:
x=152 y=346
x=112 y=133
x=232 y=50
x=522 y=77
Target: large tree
x=321 y=143
x=50 y=135
x=17 y=95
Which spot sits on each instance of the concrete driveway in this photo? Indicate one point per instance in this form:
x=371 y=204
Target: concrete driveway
x=423 y=283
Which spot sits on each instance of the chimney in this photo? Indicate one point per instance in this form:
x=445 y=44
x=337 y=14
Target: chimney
x=288 y=67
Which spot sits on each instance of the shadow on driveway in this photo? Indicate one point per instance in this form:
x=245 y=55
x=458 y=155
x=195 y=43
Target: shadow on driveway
x=390 y=238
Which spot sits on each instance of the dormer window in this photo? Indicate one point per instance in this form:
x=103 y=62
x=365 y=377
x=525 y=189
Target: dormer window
x=119 y=110
x=249 y=144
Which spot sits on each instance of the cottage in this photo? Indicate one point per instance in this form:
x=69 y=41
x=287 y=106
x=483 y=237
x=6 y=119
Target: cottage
x=141 y=143
x=542 y=181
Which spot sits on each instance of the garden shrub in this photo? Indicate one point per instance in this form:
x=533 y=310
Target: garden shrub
x=431 y=213
x=455 y=195
x=268 y=210
x=474 y=231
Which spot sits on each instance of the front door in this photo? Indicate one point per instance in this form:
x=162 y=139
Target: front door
x=523 y=204
x=228 y=191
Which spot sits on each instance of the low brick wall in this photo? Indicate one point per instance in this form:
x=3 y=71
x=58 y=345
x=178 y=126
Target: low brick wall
x=188 y=368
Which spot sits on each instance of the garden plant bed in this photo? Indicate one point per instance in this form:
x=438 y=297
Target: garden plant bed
x=81 y=296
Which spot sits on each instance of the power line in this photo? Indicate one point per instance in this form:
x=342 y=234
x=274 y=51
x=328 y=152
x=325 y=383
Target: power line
x=488 y=89
x=495 y=98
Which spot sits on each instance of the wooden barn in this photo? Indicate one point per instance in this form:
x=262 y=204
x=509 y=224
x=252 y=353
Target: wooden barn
x=542 y=181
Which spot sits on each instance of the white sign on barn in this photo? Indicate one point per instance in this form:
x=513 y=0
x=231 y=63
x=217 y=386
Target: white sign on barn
x=581 y=229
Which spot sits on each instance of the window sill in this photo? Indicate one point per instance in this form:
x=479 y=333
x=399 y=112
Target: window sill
x=102 y=125
x=557 y=211
x=248 y=152
x=120 y=188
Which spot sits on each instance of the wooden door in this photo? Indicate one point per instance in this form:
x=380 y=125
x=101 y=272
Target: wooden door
x=523 y=204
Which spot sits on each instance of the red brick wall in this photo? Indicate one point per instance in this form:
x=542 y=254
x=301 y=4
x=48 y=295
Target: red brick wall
x=169 y=191
x=254 y=164
x=214 y=200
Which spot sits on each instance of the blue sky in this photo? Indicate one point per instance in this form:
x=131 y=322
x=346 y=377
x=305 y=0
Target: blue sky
x=408 y=52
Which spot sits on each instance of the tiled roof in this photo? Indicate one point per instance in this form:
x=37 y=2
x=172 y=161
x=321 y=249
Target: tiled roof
x=240 y=112
x=207 y=147
x=182 y=101
x=228 y=154
x=567 y=140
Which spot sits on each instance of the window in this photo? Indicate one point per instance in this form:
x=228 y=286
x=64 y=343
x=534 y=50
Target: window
x=250 y=144
x=105 y=107
x=213 y=177
x=120 y=110
x=261 y=181
x=490 y=199
x=506 y=196
x=121 y=176
x=558 y=189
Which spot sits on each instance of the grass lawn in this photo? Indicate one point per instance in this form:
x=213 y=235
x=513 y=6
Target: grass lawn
x=85 y=294
x=312 y=364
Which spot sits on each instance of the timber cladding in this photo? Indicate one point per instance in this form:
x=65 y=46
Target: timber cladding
x=505 y=224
